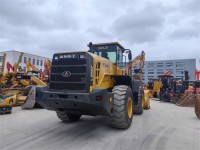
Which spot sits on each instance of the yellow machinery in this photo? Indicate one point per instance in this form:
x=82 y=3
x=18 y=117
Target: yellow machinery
x=97 y=82
x=44 y=75
x=2 y=70
x=17 y=94
x=20 y=96
x=154 y=86
x=3 y=59
x=29 y=65
x=10 y=77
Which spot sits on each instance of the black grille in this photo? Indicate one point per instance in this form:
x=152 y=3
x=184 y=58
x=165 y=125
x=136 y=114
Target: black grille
x=76 y=81
x=69 y=61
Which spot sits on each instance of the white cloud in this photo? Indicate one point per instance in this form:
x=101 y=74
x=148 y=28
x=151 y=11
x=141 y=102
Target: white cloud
x=165 y=29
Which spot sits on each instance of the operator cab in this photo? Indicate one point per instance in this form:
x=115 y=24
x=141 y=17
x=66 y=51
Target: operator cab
x=111 y=51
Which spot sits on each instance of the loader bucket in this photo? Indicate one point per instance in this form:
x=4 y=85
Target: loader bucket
x=197 y=105
x=30 y=99
x=146 y=99
x=187 y=100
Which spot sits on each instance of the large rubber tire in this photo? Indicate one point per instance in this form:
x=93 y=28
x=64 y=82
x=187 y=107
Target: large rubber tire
x=155 y=95
x=165 y=97
x=62 y=115
x=138 y=108
x=122 y=113
x=158 y=94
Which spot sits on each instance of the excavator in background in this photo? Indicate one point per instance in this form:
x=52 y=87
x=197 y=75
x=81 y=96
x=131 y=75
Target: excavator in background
x=29 y=65
x=45 y=74
x=9 y=78
x=21 y=89
x=197 y=74
x=3 y=59
x=23 y=95
x=96 y=82
x=2 y=97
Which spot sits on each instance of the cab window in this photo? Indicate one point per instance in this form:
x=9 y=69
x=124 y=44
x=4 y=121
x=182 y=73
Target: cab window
x=108 y=54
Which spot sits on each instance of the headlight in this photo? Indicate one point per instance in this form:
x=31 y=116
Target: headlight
x=1 y=100
x=56 y=57
x=82 y=56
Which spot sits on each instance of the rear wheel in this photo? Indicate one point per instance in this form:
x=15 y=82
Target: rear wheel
x=158 y=94
x=62 y=115
x=138 y=108
x=122 y=107
x=165 y=97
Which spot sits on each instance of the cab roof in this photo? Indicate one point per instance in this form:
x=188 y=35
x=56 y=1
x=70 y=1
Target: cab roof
x=109 y=44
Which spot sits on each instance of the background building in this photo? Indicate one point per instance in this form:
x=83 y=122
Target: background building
x=12 y=56
x=177 y=67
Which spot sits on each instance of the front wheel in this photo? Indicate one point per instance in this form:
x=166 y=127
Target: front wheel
x=62 y=115
x=165 y=97
x=122 y=107
x=138 y=108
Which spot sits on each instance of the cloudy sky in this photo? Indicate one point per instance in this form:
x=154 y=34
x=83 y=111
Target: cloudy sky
x=165 y=29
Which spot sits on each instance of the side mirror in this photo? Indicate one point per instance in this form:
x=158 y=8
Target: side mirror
x=130 y=56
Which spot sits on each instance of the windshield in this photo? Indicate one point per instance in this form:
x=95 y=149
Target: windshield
x=108 y=54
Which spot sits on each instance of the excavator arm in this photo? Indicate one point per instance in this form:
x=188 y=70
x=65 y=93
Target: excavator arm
x=3 y=63
x=16 y=66
x=29 y=66
x=2 y=70
x=140 y=58
x=47 y=69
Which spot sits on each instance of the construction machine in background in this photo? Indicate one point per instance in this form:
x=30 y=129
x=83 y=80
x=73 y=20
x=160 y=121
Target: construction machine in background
x=97 y=82
x=3 y=58
x=191 y=92
x=197 y=98
x=22 y=95
x=45 y=74
x=21 y=87
x=9 y=78
x=166 y=88
x=197 y=92
x=197 y=74
x=172 y=88
x=153 y=86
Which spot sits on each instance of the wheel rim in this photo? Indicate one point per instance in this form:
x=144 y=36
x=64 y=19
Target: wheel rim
x=130 y=107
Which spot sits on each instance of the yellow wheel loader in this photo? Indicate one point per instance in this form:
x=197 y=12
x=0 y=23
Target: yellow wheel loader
x=153 y=86
x=97 y=82
x=5 y=104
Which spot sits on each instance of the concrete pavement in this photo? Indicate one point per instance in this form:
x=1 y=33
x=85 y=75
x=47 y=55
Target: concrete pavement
x=164 y=127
